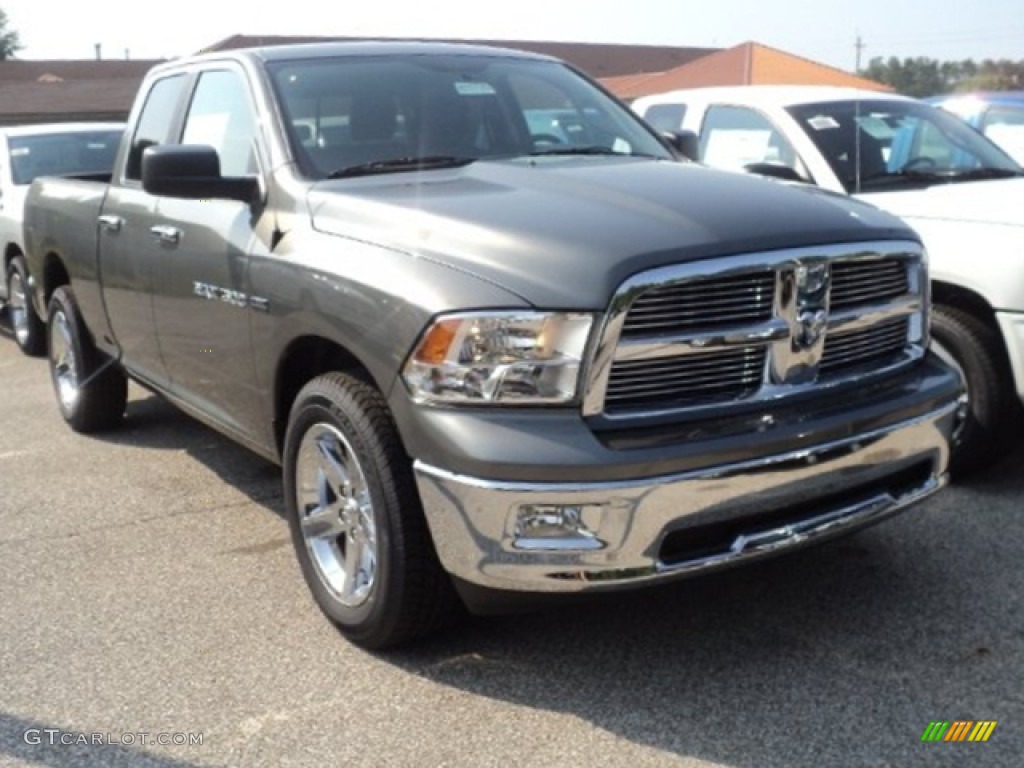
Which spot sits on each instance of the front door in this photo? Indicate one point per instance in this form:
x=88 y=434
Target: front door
x=202 y=300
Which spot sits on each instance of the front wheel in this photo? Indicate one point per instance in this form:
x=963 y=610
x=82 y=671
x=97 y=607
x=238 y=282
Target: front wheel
x=975 y=351
x=91 y=389
x=357 y=524
x=29 y=332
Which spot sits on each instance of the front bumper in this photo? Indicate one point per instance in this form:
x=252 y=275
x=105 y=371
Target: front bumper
x=627 y=532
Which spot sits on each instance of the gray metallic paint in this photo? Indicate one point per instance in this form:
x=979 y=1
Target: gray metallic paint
x=367 y=262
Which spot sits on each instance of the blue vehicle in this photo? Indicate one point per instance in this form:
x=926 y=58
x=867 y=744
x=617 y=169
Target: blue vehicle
x=997 y=114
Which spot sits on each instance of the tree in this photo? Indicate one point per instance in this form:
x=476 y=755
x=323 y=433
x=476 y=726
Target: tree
x=922 y=77
x=10 y=43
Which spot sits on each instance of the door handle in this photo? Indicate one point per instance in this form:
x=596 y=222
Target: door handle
x=167 y=235
x=111 y=223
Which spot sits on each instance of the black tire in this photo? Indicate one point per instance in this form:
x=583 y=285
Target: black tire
x=29 y=331
x=340 y=422
x=976 y=349
x=91 y=389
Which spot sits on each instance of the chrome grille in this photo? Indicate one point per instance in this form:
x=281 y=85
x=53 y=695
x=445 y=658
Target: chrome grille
x=712 y=302
x=758 y=327
x=857 y=283
x=885 y=342
x=688 y=380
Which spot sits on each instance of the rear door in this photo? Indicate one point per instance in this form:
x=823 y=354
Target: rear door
x=202 y=299
x=127 y=258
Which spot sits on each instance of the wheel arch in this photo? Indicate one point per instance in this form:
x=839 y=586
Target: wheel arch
x=10 y=251
x=55 y=275
x=964 y=299
x=303 y=359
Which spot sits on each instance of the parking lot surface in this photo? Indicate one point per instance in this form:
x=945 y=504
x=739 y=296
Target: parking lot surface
x=149 y=587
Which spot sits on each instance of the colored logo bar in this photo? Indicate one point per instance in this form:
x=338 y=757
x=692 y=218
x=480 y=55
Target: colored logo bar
x=959 y=730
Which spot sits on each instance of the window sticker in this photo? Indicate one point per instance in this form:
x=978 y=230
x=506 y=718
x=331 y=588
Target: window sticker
x=823 y=123
x=20 y=152
x=465 y=88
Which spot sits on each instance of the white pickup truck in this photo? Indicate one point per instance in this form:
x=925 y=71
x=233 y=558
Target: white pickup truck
x=28 y=151
x=962 y=194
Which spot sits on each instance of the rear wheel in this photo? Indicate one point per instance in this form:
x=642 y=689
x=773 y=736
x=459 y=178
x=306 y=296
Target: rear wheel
x=975 y=351
x=91 y=389
x=29 y=332
x=356 y=520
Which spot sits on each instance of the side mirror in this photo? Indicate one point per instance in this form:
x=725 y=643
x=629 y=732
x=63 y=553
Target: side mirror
x=686 y=143
x=775 y=171
x=192 y=171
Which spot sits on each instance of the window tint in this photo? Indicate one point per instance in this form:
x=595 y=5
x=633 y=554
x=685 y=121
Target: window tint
x=734 y=137
x=154 y=124
x=59 y=154
x=220 y=116
x=665 y=117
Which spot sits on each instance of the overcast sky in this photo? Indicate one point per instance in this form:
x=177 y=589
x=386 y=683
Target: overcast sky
x=823 y=30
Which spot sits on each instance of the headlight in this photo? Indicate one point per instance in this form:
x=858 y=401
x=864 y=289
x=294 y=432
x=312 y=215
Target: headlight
x=500 y=357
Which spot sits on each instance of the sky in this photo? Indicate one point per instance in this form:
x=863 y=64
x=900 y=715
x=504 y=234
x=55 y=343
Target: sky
x=822 y=30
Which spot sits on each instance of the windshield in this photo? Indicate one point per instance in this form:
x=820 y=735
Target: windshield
x=384 y=113
x=60 y=154
x=874 y=145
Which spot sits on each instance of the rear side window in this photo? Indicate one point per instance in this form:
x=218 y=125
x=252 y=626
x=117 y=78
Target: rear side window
x=155 y=122
x=665 y=117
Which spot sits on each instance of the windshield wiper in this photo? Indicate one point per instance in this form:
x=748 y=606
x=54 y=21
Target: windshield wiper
x=945 y=175
x=903 y=175
x=401 y=164
x=985 y=173
x=594 y=149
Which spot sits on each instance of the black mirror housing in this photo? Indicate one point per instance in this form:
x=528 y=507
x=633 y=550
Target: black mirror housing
x=774 y=171
x=686 y=143
x=192 y=171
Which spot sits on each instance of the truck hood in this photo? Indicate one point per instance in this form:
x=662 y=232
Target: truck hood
x=564 y=232
x=994 y=201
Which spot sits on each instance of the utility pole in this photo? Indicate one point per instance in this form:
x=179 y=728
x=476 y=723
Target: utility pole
x=860 y=45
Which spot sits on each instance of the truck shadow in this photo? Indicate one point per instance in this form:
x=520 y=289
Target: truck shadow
x=6 y=333
x=839 y=655
x=152 y=423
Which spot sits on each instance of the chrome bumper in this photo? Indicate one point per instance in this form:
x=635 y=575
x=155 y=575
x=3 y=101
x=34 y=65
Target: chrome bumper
x=624 y=533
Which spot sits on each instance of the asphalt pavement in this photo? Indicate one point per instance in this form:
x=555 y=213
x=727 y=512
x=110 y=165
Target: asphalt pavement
x=149 y=587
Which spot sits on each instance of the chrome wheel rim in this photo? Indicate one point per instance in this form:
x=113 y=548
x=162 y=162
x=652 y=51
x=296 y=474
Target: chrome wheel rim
x=336 y=515
x=62 y=361
x=17 y=307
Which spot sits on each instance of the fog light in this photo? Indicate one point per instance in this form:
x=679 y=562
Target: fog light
x=554 y=526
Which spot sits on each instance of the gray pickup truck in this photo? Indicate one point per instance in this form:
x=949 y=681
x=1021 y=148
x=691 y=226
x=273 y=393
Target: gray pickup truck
x=500 y=339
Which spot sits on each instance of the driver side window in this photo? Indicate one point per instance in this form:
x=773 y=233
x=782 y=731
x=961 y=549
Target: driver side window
x=735 y=137
x=220 y=116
